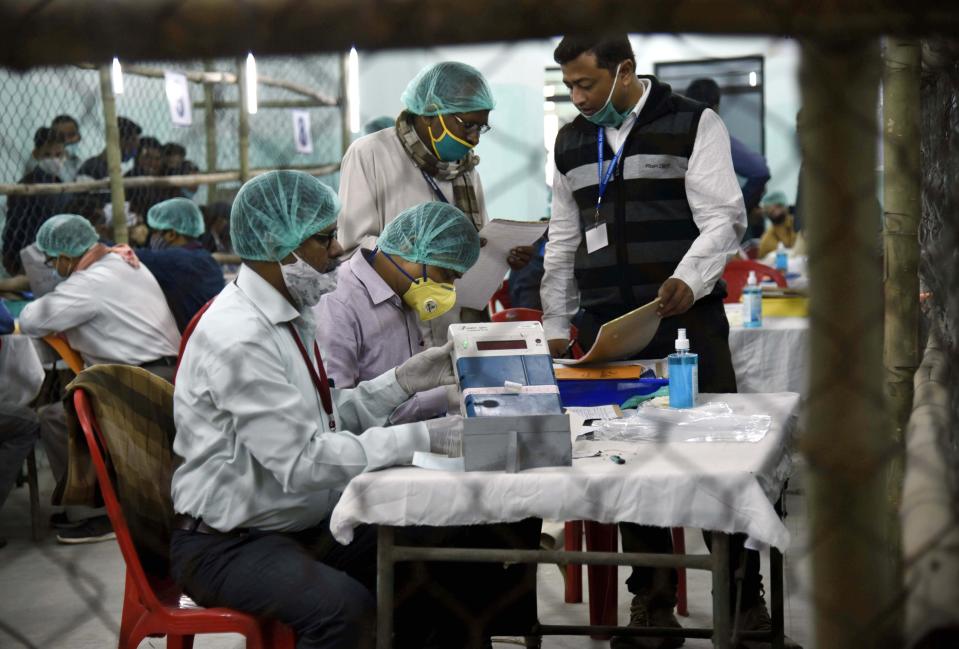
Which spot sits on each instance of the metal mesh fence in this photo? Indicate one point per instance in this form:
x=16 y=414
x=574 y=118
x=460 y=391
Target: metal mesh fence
x=840 y=129
x=30 y=156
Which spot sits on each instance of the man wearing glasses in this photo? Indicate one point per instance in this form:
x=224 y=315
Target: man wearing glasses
x=427 y=156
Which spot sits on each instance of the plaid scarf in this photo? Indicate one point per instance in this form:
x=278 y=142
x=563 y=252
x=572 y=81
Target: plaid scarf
x=464 y=196
x=134 y=410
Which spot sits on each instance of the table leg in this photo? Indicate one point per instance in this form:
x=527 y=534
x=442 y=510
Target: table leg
x=603 y=580
x=384 y=587
x=778 y=594
x=573 y=541
x=721 y=621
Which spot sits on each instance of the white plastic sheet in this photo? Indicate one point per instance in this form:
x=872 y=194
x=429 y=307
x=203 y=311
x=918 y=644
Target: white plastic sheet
x=711 y=422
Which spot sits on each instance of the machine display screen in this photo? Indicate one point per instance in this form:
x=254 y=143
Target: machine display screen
x=495 y=345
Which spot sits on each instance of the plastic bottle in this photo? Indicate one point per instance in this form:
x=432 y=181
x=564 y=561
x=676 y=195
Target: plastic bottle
x=752 y=303
x=683 y=374
x=782 y=259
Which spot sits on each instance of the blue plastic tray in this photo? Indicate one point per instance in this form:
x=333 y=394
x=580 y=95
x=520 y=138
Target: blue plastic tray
x=602 y=392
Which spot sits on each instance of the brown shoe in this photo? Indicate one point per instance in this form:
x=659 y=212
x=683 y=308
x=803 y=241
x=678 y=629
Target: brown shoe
x=642 y=615
x=757 y=618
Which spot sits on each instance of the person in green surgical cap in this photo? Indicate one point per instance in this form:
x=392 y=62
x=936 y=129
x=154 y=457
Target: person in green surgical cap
x=370 y=323
x=269 y=444
x=426 y=156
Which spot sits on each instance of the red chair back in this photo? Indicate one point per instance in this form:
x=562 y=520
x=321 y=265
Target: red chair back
x=187 y=333
x=502 y=296
x=737 y=272
x=522 y=314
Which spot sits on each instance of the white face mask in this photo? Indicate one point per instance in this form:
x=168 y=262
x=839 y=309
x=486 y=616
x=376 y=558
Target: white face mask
x=305 y=283
x=52 y=166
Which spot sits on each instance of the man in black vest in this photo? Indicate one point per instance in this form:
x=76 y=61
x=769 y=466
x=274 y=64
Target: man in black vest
x=656 y=215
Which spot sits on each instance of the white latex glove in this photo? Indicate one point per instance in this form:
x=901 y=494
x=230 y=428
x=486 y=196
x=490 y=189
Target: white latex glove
x=427 y=370
x=446 y=435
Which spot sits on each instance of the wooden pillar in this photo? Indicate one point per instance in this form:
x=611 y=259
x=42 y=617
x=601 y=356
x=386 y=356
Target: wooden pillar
x=209 y=122
x=243 y=120
x=848 y=439
x=114 y=156
x=346 y=136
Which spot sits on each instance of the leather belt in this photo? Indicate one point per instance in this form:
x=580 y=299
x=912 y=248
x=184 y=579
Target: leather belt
x=190 y=524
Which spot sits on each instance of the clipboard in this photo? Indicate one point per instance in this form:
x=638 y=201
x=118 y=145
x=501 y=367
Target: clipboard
x=621 y=338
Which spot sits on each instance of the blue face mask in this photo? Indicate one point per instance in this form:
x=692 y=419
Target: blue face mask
x=608 y=115
x=447 y=146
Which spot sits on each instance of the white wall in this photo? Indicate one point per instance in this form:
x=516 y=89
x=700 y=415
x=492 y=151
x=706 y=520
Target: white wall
x=513 y=153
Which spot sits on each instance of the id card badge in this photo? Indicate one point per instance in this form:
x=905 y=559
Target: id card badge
x=596 y=238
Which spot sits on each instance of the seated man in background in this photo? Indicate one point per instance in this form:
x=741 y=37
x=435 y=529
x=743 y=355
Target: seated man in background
x=780 y=228
x=149 y=162
x=26 y=212
x=173 y=155
x=370 y=323
x=95 y=168
x=111 y=310
x=268 y=445
x=185 y=270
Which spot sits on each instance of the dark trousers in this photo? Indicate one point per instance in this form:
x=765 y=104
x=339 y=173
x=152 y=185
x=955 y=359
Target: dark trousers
x=708 y=331
x=19 y=432
x=324 y=590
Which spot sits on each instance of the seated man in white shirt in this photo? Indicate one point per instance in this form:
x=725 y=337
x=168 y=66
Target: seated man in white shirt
x=111 y=310
x=370 y=323
x=268 y=446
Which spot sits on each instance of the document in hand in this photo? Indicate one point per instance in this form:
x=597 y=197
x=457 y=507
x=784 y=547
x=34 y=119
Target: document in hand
x=621 y=338
x=476 y=287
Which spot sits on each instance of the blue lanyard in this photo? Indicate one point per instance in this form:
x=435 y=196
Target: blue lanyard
x=604 y=178
x=436 y=188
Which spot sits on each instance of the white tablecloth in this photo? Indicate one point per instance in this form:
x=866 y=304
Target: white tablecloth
x=21 y=372
x=771 y=358
x=728 y=487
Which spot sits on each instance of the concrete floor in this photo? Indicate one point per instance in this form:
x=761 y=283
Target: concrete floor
x=69 y=597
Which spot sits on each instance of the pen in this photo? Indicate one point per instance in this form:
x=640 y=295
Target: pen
x=617 y=459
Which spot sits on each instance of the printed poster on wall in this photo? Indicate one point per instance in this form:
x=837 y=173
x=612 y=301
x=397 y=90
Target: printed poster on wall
x=302 y=137
x=178 y=97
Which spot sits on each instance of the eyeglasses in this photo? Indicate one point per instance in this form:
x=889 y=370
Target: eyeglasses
x=326 y=238
x=472 y=126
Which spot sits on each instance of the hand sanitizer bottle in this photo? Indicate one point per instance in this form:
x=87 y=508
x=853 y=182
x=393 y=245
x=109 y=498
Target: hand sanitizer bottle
x=782 y=259
x=752 y=303
x=683 y=374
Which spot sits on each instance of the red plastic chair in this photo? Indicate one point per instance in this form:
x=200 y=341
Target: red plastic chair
x=502 y=296
x=191 y=325
x=737 y=272
x=151 y=606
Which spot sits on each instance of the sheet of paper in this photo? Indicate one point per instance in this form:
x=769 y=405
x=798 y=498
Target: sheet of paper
x=178 y=98
x=476 y=287
x=302 y=134
x=596 y=412
x=436 y=462
x=621 y=338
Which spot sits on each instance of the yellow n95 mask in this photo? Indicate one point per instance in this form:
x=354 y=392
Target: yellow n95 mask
x=430 y=299
x=447 y=146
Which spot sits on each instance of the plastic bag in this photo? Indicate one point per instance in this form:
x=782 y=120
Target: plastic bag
x=714 y=421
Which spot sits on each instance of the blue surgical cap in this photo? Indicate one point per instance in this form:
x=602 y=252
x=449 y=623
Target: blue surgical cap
x=447 y=88
x=177 y=214
x=69 y=235
x=378 y=124
x=435 y=234
x=274 y=213
x=775 y=198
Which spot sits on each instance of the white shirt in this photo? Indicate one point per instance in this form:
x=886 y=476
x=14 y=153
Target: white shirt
x=715 y=200
x=110 y=313
x=378 y=180
x=251 y=430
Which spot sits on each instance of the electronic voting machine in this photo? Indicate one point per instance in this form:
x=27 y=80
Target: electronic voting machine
x=509 y=397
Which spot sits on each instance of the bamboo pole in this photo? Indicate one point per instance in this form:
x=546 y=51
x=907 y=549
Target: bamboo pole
x=44 y=33
x=212 y=76
x=114 y=156
x=186 y=180
x=901 y=202
x=209 y=125
x=345 y=133
x=268 y=103
x=243 y=123
x=847 y=441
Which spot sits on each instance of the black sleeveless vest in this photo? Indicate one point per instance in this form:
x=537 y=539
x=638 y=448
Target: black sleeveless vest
x=649 y=224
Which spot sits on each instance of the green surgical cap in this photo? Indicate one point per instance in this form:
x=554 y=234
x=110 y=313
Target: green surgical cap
x=177 y=214
x=447 y=88
x=775 y=198
x=69 y=235
x=435 y=234
x=378 y=124
x=274 y=213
